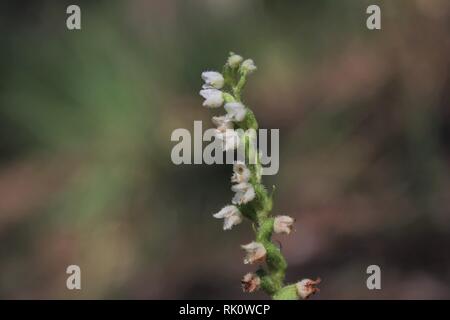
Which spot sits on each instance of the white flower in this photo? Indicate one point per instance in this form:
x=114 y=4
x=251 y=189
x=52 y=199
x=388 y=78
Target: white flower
x=213 y=79
x=236 y=110
x=231 y=215
x=213 y=98
x=250 y=282
x=283 y=224
x=240 y=173
x=244 y=193
x=234 y=60
x=248 y=66
x=255 y=252
x=306 y=288
x=229 y=138
x=223 y=122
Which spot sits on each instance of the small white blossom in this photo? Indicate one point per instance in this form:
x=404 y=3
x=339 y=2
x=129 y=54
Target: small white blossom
x=248 y=66
x=231 y=215
x=213 y=79
x=234 y=60
x=229 y=138
x=283 y=224
x=244 y=193
x=255 y=252
x=306 y=288
x=236 y=110
x=213 y=98
x=240 y=173
x=250 y=282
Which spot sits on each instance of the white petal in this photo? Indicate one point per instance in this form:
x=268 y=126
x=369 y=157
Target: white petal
x=225 y=212
x=283 y=224
x=307 y=287
x=213 y=98
x=249 y=195
x=237 y=198
x=231 y=221
x=213 y=79
x=206 y=93
x=285 y=219
x=236 y=110
x=251 y=246
x=255 y=252
x=240 y=114
x=241 y=187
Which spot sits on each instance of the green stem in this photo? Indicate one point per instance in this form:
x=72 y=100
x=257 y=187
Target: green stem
x=237 y=89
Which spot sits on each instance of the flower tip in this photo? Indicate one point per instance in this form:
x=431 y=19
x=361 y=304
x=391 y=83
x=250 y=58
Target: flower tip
x=234 y=60
x=248 y=66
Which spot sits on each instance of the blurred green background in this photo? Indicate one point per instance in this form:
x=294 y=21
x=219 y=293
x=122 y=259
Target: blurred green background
x=85 y=124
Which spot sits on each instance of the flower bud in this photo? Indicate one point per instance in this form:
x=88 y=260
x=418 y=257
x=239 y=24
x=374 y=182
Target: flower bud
x=213 y=98
x=231 y=215
x=283 y=224
x=248 y=66
x=234 y=60
x=255 y=252
x=213 y=79
x=250 y=282
x=306 y=288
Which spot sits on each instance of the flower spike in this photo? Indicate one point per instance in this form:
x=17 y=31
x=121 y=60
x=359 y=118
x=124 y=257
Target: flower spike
x=251 y=199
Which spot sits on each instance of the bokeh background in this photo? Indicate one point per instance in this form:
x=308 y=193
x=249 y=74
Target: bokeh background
x=85 y=124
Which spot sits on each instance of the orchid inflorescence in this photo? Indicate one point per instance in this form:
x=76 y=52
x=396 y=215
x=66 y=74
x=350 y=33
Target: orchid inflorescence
x=251 y=199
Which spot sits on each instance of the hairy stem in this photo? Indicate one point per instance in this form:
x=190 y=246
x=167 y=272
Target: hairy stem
x=251 y=199
x=259 y=210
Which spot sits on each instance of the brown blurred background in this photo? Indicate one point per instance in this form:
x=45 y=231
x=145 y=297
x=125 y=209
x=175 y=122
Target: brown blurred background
x=85 y=123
